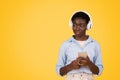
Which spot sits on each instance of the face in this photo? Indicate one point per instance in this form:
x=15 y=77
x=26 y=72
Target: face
x=79 y=26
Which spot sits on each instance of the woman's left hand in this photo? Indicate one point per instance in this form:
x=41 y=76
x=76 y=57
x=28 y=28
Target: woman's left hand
x=83 y=61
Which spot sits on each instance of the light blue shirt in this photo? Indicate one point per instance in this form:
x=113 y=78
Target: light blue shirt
x=69 y=52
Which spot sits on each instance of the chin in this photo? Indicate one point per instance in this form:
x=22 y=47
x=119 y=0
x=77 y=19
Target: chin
x=77 y=33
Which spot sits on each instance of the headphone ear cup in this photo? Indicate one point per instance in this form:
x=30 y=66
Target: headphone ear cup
x=70 y=23
x=89 y=25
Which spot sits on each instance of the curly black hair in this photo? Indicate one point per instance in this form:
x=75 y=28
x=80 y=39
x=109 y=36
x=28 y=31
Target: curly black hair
x=81 y=15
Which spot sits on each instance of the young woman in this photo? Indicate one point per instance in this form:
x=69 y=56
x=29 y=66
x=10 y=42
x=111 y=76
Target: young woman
x=80 y=56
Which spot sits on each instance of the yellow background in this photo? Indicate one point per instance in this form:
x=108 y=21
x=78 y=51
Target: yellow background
x=31 y=32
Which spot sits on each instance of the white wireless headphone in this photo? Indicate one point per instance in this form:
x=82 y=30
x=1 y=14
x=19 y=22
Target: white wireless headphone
x=89 y=25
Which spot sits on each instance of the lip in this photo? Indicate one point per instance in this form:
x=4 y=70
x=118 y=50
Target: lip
x=77 y=32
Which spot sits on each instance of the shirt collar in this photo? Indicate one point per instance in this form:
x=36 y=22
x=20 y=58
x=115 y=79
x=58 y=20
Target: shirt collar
x=72 y=39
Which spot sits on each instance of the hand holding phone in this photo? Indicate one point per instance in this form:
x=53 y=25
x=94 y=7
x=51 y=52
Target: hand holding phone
x=82 y=57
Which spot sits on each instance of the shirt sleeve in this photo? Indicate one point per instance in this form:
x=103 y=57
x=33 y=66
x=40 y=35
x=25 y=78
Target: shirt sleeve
x=98 y=59
x=61 y=58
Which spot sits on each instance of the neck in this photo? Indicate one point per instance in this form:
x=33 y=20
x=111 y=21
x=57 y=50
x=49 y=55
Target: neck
x=81 y=38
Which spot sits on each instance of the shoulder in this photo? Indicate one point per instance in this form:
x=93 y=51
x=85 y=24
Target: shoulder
x=66 y=43
x=96 y=43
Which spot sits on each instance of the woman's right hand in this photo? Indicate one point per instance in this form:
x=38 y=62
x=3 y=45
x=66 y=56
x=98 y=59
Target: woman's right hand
x=75 y=64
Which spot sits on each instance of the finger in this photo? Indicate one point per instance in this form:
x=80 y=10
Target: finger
x=83 y=61
x=78 y=59
x=78 y=63
x=81 y=64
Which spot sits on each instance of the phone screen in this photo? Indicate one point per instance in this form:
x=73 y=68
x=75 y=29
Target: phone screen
x=82 y=54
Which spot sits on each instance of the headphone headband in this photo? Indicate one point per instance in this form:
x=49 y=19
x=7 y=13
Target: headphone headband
x=89 y=25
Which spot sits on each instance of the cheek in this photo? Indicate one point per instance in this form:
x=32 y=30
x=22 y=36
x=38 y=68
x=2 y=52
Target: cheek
x=73 y=29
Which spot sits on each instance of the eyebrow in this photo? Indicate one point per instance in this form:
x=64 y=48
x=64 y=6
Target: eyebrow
x=79 y=23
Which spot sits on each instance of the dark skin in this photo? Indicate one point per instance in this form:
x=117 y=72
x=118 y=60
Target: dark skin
x=79 y=29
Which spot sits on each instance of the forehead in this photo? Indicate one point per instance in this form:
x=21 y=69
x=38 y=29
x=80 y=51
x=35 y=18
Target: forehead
x=79 y=20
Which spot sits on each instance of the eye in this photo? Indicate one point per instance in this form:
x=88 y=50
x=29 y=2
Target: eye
x=74 y=25
x=82 y=25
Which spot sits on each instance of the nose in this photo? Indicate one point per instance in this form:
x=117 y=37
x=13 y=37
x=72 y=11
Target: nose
x=78 y=27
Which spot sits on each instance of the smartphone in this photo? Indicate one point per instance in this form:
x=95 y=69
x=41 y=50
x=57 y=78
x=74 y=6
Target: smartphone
x=82 y=54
